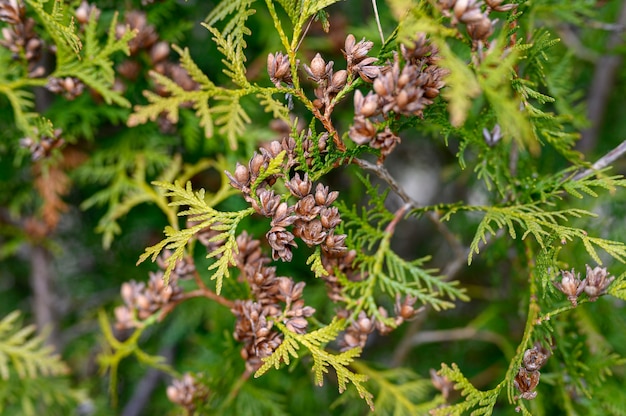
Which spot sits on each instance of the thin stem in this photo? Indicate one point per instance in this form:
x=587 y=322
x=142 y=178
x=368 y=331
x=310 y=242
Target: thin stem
x=306 y=30
x=202 y=291
x=326 y=122
x=604 y=161
x=380 y=28
x=26 y=82
x=236 y=387
x=391 y=227
x=549 y=315
x=206 y=293
x=457 y=334
x=383 y=173
x=531 y=320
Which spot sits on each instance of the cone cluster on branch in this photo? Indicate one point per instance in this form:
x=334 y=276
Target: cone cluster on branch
x=41 y=146
x=527 y=377
x=274 y=299
x=69 y=87
x=474 y=14
x=20 y=37
x=143 y=300
x=187 y=392
x=312 y=219
x=357 y=334
x=147 y=43
x=594 y=284
x=404 y=87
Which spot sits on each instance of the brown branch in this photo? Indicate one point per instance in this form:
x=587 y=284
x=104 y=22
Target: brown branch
x=326 y=122
x=328 y=125
x=381 y=172
x=391 y=227
x=41 y=280
x=198 y=293
x=202 y=291
x=458 y=334
x=604 y=161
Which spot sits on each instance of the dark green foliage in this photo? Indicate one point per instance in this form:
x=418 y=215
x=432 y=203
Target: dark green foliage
x=471 y=232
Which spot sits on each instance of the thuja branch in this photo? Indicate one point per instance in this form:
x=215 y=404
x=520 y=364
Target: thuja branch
x=380 y=171
x=366 y=300
x=324 y=119
x=202 y=292
x=531 y=320
x=603 y=162
x=120 y=350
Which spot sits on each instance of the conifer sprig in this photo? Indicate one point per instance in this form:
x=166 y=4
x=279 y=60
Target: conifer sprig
x=399 y=391
x=385 y=271
x=481 y=401
x=94 y=65
x=314 y=342
x=26 y=353
x=204 y=216
x=59 y=25
x=541 y=224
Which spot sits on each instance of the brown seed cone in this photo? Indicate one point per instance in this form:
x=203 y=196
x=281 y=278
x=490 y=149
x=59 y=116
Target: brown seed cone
x=597 y=281
x=526 y=382
x=279 y=69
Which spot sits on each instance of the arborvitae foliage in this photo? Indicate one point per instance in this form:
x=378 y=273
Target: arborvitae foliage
x=295 y=203
x=31 y=374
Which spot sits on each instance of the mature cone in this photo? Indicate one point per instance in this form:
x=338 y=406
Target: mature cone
x=186 y=392
x=69 y=87
x=571 y=285
x=43 y=147
x=357 y=333
x=279 y=69
x=85 y=10
x=386 y=141
x=146 y=34
x=598 y=281
x=526 y=382
x=535 y=358
x=319 y=69
x=281 y=242
x=357 y=60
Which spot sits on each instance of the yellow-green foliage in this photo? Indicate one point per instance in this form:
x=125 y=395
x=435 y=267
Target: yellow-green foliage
x=505 y=125
x=314 y=342
x=32 y=374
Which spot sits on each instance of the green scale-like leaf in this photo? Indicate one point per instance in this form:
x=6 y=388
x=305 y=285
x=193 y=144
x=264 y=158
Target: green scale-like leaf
x=57 y=25
x=541 y=225
x=314 y=342
x=483 y=401
x=93 y=65
x=204 y=216
x=25 y=352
